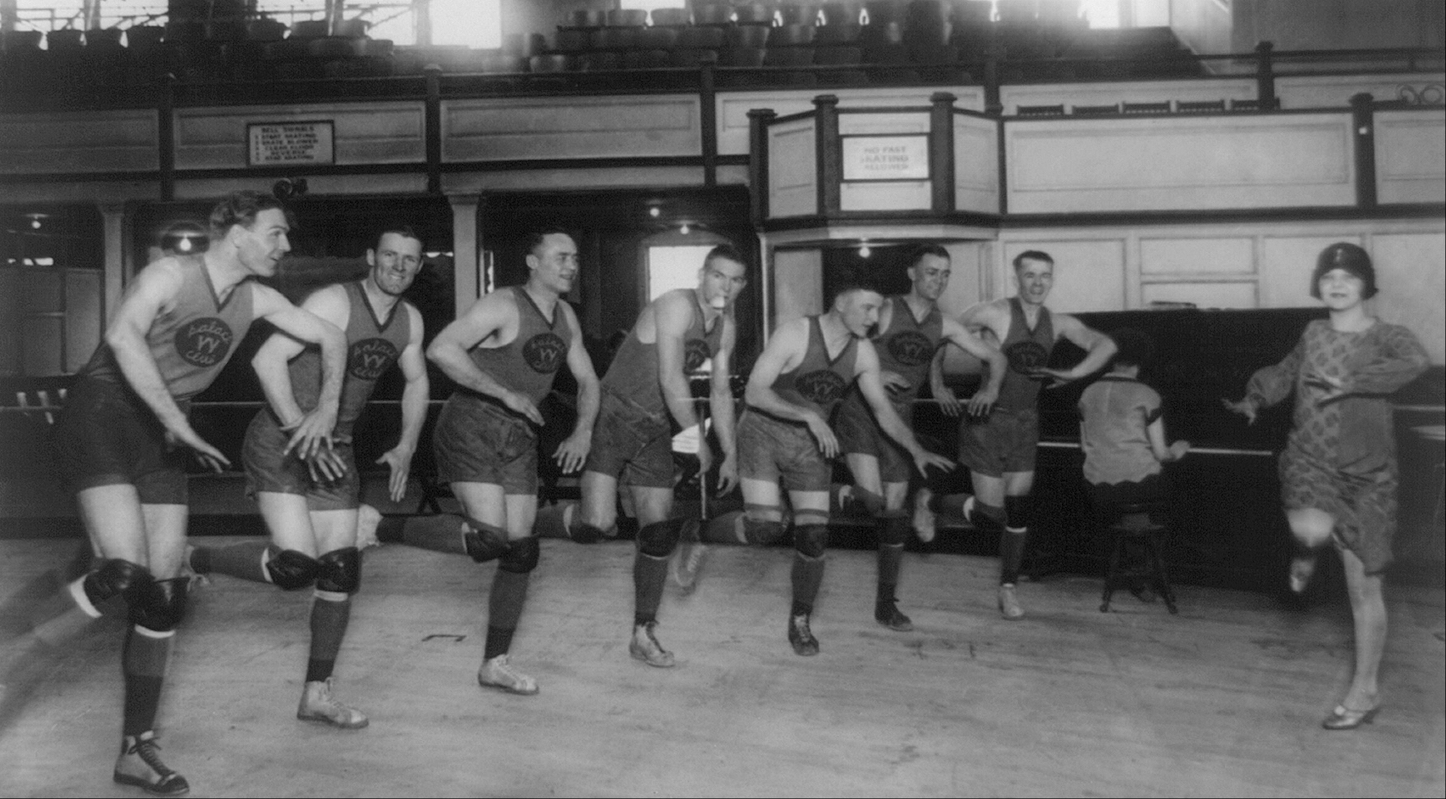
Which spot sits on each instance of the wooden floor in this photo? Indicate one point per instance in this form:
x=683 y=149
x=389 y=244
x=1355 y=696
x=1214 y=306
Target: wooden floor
x=1223 y=699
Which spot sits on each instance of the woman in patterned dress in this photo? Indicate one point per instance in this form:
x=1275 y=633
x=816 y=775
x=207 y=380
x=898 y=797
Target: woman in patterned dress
x=1338 y=472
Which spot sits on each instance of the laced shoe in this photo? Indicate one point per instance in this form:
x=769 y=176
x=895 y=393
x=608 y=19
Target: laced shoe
x=888 y=614
x=645 y=647
x=687 y=564
x=140 y=765
x=924 y=519
x=367 y=519
x=317 y=704
x=801 y=637
x=1009 y=603
x=498 y=673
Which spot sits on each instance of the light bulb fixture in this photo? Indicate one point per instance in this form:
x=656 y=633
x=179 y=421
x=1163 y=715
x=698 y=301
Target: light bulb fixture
x=864 y=250
x=684 y=229
x=655 y=212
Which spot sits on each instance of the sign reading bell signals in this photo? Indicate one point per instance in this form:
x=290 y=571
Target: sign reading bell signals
x=885 y=157
x=290 y=143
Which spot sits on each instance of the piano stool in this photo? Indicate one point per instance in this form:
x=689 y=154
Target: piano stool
x=1134 y=530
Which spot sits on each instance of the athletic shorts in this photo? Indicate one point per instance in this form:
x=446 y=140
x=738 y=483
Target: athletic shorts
x=268 y=470
x=1003 y=441
x=632 y=441
x=859 y=434
x=769 y=449
x=479 y=441
x=106 y=435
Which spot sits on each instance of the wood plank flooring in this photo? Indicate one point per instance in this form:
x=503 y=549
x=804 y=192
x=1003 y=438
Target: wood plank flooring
x=1223 y=699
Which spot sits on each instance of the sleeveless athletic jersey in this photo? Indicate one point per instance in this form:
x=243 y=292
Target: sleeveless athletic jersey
x=372 y=346
x=193 y=341
x=1026 y=349
x=818 y=383
x=528 y=363
x=908 y=346
x=633 y=374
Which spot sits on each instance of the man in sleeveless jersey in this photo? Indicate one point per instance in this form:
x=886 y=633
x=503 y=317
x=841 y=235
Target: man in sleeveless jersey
x=503 y=354
x=645 y=394
x=911 y=331
x=999 y=448
x=784 y=435
x=311 y=507
x=122 y=437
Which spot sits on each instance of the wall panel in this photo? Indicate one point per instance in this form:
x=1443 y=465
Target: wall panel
x=733 y=107
x=793 y=169
x=1411 y=156
x=797 y=284
x=364 y=133
x=1186 y=256
x=499 y=129
x=1180 y=163
x=976 y=164
x=79 y=141
x=1411 y=272
x=1335 y=91
x=1203 y=294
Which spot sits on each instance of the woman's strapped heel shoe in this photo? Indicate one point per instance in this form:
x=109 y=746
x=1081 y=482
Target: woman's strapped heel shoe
x=1343 y=719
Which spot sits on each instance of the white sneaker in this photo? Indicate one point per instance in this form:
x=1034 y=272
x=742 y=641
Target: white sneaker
x=645 y=647
x=317 y=704
x=367 y=519
x=924 y=519
x=498 y=673
x=140 y=765
x=688 y=564
x=1009 y=603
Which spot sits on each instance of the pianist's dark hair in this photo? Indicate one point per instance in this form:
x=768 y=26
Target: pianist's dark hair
x=1135 y=347
x=1347 y=256
x=242 y=208
x=917 y=252
x=1032 y=255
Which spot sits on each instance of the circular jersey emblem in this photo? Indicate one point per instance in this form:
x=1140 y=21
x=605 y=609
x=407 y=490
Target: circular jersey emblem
x=369 y=358
x=695 y=353
x=543 y=352
x=1026 y=356
x=204 y=342
x=822 y=386
x=910 y=348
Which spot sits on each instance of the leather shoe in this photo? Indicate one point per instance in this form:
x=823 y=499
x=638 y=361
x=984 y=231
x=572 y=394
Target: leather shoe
x=1345 y=719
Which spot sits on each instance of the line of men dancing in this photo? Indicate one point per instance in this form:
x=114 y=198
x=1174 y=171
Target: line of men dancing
x=123 y=437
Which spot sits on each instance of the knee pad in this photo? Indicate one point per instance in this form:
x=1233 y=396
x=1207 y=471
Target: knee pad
x=521 y=556
x=894 y=531
x=763 y=532
x=861 y=499
x=161 y=606
x=1017 y=512
x=290 y=570
x=584 y=533
x=116 y=583
x=484 y=542
x=340 y=571
x=658 y=540
x=988 y=518
x=810 y=540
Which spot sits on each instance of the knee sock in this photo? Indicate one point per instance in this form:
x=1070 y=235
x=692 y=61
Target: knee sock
x=890 y=557
x=144 y=665
x=649 y=574
x=1011 y=555
x=246 y=560
x=330 y=613
x=807 y=577
x=552 y=521
x=440 y=533
x=509 y=592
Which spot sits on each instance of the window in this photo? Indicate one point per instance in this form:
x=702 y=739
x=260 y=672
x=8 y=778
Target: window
x=475 y=23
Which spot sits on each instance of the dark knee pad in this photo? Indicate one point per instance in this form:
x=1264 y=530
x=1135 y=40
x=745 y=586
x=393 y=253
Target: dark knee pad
x=161 y=606
x=340 y=571
x=988 y=518
x=484 y=542
x=521 y=556
x=763 y=531
x=584 y=533
x=116 y=583
x=290 y=570
x=658 y=540
x=1017 y=512
x=810 y=540
x=871 y=503
x=894 y=530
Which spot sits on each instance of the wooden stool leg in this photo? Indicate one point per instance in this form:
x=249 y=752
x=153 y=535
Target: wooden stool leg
x=1110 y=572
x=1161 y=576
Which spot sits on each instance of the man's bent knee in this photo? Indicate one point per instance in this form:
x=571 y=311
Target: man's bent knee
x=658 y=540
x=290 y=570
x=810 y=540
x=161 y=606
x=521 y=556
x=340 y=571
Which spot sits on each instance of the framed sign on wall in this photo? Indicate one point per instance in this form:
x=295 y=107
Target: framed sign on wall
x=288 y=143
x=885 y=157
